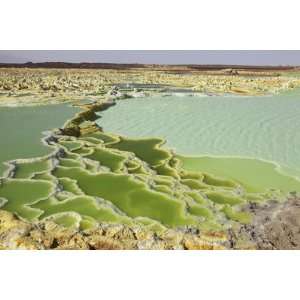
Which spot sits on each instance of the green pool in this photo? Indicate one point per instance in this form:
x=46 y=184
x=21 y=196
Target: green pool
x=214 y=127
x=21 y=129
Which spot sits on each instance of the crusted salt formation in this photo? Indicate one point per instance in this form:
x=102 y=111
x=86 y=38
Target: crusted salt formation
x=17 y=234
x=94 y=177
x=99 y=190
x=22 y=86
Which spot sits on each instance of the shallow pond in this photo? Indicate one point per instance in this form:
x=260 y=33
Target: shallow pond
x=21 y=129
x=265 y=127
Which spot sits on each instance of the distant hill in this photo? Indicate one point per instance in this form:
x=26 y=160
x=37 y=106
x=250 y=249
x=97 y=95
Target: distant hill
x=115 y=66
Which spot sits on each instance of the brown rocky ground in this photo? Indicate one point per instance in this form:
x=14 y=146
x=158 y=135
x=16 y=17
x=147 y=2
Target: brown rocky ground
x=56 y=84
x=274 y=226
x=17 y=234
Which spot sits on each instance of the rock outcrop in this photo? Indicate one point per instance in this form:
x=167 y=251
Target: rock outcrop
x=275 y=225
x=18 y=234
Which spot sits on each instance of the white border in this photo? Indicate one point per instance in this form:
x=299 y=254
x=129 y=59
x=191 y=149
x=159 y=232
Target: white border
x=156 y=24
x=149 y=275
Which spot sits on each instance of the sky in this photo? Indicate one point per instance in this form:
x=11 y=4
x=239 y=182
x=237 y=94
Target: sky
x=235 y=57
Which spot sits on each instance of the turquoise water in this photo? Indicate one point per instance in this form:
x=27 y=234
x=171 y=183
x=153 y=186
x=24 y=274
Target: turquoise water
x=21 y=129
x=265 y=127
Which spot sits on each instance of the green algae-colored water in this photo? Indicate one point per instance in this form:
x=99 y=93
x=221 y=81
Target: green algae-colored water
x=103 y=177
x=264 y=128
x=118 y=183
x=254 y=174
x=21 y=129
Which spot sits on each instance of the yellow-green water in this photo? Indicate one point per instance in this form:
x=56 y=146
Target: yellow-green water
x=103 y=177
x=114 y=179
x=21 y=129
x=255 y=175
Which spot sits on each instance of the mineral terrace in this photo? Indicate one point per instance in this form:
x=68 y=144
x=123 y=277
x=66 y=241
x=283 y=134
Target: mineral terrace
x=99 y=190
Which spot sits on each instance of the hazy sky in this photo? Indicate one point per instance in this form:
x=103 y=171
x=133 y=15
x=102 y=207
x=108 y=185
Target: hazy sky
x=261 y=57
